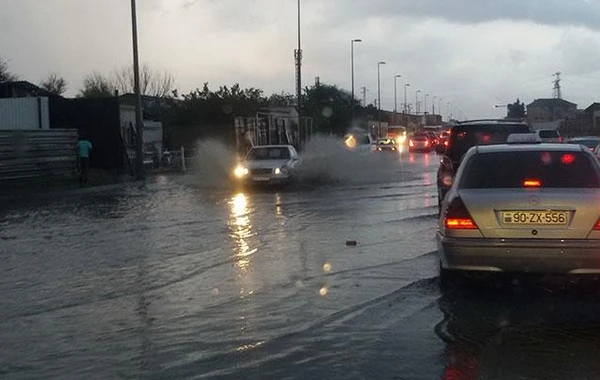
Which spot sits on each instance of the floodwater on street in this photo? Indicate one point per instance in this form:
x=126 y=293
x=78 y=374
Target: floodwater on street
x=191 y=277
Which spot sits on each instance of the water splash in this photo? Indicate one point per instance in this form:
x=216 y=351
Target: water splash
x=326 y=159
x=213 y=163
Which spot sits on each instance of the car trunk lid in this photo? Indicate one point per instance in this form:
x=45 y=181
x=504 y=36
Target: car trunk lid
x=533 y=213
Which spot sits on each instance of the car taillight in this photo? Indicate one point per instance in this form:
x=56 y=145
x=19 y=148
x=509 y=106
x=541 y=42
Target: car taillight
x=560 y=139
x=532 y=183
x=597 y=225
x=411 y=143
x=458 y=217
x=426 y=142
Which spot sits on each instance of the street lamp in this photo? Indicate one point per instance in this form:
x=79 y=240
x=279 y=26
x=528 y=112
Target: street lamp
x=352 y=70
x=425 y=104
x=405 y=104
x=417 y=101
x=379 y=93
x=396 y=95
x=433 y=105
x=440 y=108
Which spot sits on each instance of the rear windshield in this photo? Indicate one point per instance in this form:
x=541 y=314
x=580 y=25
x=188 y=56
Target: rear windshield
x=462 y=138
x=420 y=137
x=548 y=134
x=268 y=154
x=511 y=169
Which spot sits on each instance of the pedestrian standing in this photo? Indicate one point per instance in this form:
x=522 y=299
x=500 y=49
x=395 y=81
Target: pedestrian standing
x=84 y=148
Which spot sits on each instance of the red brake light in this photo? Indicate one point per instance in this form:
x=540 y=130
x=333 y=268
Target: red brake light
x=597 y=225
x=532 y=183
x=458 y=217
x=426 y=142
x=567 y=159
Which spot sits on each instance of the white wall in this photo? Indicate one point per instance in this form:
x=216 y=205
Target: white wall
x=24 y=113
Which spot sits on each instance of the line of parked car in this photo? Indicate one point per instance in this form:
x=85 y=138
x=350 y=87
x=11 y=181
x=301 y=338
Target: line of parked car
x=517 y=201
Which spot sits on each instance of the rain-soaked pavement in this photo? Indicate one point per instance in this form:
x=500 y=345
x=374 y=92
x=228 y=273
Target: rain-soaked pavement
x=187 y=277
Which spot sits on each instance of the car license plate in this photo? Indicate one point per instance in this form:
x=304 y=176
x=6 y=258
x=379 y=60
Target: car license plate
x=551 y=218
x=261 y=178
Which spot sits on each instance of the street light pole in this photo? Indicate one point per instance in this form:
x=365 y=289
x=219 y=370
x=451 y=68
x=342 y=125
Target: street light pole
x=440 y=108
x=139 y=122
x=379 y=94
x=396 y=95
x=352 y=70
x=405 y=105
x=417 y=101
x=425 y=103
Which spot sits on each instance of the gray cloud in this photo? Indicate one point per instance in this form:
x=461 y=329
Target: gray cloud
x=548 y=12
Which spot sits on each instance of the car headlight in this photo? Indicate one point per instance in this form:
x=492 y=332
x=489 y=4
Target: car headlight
x=240 y=171
x=281 y=170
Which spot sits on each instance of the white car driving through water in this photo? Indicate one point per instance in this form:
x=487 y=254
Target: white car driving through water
x=268 y=164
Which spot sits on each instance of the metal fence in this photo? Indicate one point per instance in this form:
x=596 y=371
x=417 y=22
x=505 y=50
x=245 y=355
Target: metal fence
x=36 y=155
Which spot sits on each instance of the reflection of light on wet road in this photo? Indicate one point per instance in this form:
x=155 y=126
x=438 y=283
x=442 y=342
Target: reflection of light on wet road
x=323 y=291
x=241 y=231
x=247 y=347
x=427 y=160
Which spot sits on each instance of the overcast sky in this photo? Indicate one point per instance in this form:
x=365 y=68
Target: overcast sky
x=471 y=53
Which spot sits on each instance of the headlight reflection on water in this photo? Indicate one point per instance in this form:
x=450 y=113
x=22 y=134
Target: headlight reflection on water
x=241 y=230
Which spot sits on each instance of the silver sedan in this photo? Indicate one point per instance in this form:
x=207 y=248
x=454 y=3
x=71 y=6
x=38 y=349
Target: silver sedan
x=522 y=208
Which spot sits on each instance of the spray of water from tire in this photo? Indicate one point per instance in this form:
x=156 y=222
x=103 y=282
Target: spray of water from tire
x=325 y=160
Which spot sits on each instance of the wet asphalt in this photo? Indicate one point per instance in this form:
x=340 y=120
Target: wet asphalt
x=185 y=278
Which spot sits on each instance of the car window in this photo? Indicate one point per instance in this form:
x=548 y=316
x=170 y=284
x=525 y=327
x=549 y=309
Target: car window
x=462 y=138
x=268 y=154
x=553 y=169
x=548 y=134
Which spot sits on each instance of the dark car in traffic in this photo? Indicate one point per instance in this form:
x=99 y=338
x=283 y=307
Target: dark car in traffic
x=421 y=142
x=465 y=135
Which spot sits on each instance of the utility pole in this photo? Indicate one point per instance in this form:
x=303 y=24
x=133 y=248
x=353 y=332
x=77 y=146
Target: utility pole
x=396 y=95
x=139 y=121
x=364 y=96
x=433 y=104
x=379 y=95
x=557 y=93
x=298 y=56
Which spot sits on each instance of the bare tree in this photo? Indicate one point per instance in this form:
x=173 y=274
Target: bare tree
x=5 y=75
x=54 y=84
x=158 y=83
x=95 y=85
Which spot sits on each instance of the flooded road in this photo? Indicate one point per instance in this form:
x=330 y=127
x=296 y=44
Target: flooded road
x=187 y=278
